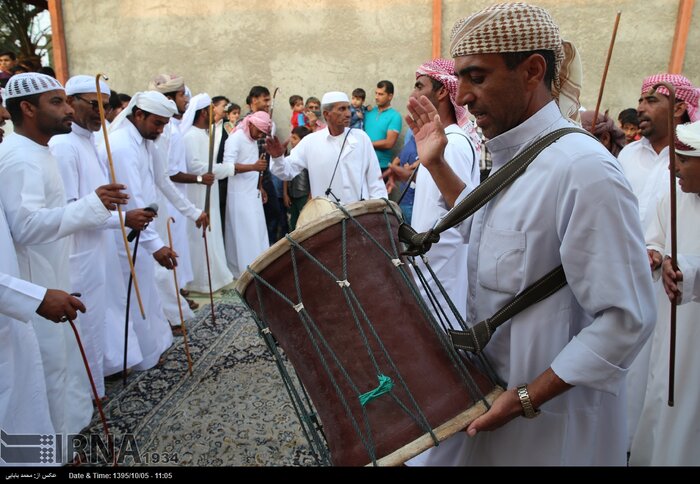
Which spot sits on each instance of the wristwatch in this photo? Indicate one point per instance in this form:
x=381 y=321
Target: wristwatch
x=199 y=178
x=528 y=410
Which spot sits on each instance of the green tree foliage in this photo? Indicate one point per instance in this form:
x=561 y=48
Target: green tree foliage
x=19 y=30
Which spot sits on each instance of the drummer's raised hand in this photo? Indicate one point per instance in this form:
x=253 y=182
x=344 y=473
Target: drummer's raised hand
x=273 y=147
x=428 y=130
x=430 y=143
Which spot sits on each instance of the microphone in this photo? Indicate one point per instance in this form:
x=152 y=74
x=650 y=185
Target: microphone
x=151 y=208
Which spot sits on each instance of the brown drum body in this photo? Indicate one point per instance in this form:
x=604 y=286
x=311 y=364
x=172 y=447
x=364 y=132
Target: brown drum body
x=403 y=329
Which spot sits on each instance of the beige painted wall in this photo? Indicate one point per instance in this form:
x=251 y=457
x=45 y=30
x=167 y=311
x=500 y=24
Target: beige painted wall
x=308 y=47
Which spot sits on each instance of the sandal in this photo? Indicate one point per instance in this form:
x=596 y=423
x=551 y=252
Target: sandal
x=193 y=304
x=184 y=292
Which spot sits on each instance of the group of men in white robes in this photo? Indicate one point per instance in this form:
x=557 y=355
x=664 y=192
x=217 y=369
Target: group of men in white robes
x=659 y=434
x=34 y=206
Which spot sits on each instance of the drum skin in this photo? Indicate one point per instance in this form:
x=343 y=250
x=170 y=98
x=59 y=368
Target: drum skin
x=400 y=324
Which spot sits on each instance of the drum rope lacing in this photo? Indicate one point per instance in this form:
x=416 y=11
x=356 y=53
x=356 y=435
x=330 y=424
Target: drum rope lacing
x=385 y=384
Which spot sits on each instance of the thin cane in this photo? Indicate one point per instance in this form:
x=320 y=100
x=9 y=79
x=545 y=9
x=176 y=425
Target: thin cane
x=179 y=306
x=674 y=238
x=207 y=199
x=408 y=184
x=94 y=391
x=605 y=71
x=128 y=307
x=207 y=204
x=211 y=294
x=113 y=178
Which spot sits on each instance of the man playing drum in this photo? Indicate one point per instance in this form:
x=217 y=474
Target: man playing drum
x=564 y=358
x=342 y=164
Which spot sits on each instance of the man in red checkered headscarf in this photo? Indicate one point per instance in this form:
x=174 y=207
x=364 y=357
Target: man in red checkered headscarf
x=645 y=164
x=564 y=359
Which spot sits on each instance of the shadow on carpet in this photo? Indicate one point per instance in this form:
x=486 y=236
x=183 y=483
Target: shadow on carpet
x=233 y=411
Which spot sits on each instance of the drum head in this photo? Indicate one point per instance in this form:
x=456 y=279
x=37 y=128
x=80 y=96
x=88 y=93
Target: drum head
x=315 y=209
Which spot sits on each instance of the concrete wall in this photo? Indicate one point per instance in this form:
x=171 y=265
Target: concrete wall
x=308 y=47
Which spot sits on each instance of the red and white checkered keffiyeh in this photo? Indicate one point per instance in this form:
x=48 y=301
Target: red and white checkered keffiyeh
x=443 y=71
x=688 y=139
x=685 y=91
x=519 y=27
x=259 y=119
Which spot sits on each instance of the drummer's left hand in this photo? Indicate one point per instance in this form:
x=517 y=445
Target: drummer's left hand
x=504 y=409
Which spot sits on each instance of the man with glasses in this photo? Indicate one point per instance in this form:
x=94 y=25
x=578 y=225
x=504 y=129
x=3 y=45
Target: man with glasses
x=93 y=252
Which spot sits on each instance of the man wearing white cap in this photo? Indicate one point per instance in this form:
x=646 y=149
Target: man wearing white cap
x=40 y=221
x=175 y=203
x=137 y=163
x=564 y=359
x=194 y=127
x=94 y=252
x=669 y=435
x=342 y=163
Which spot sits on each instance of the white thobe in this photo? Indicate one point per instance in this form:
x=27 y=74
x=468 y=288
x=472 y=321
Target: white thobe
x=671 y=435
x=448 y=258
x=246 y=232
x=197 y=150
x=357 y=174
x=173 y=202
x=647 y=172
x=93 y=257
x=572 y=206
x=133 y=165
x=171 y=141
x=40 y=221
x=689 y=265
x=24 y=405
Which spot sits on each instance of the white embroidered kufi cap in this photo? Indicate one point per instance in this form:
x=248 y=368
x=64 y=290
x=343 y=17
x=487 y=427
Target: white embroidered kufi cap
x=28 y=84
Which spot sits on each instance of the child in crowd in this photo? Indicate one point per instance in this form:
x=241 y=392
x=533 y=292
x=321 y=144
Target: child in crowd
x=297 y=192
x=296 y=102
x=629 y=122
x=233 y=113
x=357 y=119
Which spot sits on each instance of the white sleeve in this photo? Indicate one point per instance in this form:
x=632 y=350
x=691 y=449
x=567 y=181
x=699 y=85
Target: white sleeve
x=19 y=299
x=689 y=265
x=655 y=233
x=373 y=175
x=67 y=159
x=128 y=175
x=163 y=182
x=198 y=164
x=287 y=167
x=607 y=271
x=30 y=221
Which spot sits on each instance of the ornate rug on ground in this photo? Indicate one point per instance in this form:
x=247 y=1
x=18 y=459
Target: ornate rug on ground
x=233 y=410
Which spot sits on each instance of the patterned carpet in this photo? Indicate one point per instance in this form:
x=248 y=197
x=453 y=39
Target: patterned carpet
x=233 y=411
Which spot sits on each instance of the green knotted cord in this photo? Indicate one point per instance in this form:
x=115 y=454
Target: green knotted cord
x=385 y=386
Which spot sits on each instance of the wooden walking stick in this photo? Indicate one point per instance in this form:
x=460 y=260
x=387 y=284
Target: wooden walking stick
x=207 y=203
x=113 y=179
x=179 y=306
x=98 y=402
x=605 y=72
x=674 y=237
